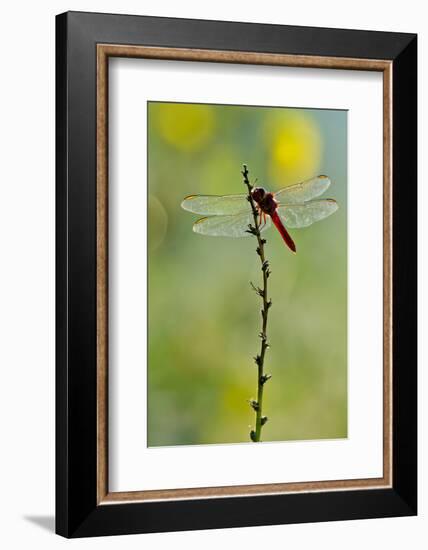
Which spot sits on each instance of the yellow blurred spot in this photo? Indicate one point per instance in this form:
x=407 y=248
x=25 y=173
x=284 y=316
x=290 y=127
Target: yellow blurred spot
x=186 y=127
x=296 y=147
x=235 y=398
x=158 y=222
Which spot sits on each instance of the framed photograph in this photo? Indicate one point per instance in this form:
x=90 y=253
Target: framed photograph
x=236 y=274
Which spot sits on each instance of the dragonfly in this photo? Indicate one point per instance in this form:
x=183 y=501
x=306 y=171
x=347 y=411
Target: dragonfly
x=291 y=207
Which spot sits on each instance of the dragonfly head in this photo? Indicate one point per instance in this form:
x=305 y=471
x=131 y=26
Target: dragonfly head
x=258 y=194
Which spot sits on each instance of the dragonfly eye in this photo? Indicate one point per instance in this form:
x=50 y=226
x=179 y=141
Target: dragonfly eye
x=258 y=193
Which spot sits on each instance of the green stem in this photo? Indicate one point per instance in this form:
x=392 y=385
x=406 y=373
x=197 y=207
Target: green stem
x=255 y=435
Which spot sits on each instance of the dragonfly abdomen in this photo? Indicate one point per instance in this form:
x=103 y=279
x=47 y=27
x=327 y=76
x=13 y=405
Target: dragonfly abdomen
x=283 y=232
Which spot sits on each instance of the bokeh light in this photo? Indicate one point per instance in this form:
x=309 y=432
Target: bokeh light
x=187 y=127
x=296 y=146
x=157 y=222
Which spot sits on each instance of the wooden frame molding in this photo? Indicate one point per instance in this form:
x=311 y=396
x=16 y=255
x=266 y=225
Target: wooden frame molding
x=104 y=52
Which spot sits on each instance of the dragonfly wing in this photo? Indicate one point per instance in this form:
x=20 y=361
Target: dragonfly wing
x=216 y=205
x=302 y=192
x=227 y=226
x=303 y=215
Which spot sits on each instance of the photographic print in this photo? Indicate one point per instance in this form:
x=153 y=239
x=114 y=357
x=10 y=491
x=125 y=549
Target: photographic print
x=247 y=274
x=231 y=280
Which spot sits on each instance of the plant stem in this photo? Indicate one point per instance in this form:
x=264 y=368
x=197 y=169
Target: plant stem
x=263 y=293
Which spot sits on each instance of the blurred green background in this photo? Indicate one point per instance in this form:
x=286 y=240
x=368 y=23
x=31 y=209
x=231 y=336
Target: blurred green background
x=203 y=316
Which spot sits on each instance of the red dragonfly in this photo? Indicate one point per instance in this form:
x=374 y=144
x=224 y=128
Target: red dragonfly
x=291 y=207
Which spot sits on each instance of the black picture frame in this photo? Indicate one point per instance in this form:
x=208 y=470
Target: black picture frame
x=78 y=513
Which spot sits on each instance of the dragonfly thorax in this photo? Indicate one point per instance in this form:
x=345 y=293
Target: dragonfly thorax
x=265 y=201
